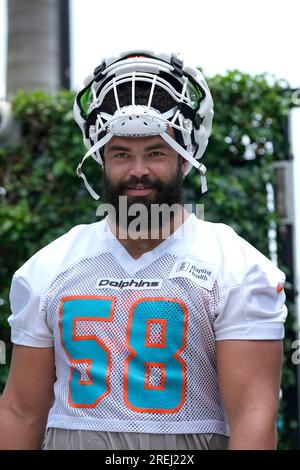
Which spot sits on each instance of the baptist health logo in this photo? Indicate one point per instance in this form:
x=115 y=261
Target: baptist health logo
x=184 y=266
x=2 y=352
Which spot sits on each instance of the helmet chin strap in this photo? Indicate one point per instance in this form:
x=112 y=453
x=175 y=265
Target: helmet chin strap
x=98 y=145
x=188 y=157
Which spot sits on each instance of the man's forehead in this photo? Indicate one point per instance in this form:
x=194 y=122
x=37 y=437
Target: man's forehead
x=128 y=141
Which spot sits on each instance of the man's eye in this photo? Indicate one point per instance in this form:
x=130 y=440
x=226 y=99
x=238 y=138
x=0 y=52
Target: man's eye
x=156 y=154
x=121 y=155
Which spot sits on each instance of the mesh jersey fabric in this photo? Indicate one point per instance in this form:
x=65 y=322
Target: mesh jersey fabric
x=135 y=339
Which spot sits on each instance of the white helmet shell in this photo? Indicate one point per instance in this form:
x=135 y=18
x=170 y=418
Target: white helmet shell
x=190 y=115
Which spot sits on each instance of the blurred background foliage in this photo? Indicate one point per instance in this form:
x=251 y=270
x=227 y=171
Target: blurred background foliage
x=44 y=197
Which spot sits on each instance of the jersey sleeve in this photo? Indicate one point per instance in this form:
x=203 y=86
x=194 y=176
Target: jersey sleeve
x=29 y=320
x=28 y=324
x=254 y=307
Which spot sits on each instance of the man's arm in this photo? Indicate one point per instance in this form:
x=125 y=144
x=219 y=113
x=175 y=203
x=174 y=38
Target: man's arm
x=27 y=397
x=249 y=377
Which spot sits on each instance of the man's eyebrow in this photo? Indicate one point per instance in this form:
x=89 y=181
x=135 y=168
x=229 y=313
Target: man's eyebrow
x=122 y=148
x=115 y=147
x=157 y=145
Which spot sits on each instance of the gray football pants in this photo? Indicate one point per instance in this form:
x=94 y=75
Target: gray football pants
x=69 y=439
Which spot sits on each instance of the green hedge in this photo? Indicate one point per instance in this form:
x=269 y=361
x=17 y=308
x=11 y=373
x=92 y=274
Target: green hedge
x=45 y=198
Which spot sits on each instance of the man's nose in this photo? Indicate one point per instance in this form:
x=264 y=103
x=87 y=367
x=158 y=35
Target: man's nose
x=139 y=167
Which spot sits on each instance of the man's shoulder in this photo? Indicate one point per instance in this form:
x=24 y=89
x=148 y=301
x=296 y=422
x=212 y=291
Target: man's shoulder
x=214 y=237
x=79 y=242
x=234 y=255
x=211 y=244
x=222 y=239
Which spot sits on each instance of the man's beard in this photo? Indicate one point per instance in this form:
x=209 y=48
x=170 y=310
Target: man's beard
x=167 y=194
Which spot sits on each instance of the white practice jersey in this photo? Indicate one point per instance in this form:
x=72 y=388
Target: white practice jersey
x=135 y=339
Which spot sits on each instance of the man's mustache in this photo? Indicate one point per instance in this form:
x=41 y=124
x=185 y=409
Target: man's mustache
x=134 y=182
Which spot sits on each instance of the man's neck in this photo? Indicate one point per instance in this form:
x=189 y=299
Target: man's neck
x=147 y=241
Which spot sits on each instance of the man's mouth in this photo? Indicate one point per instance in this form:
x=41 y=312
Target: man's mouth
x=139 y=190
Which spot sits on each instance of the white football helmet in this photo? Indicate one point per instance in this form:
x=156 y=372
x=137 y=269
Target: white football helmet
x=190 y=114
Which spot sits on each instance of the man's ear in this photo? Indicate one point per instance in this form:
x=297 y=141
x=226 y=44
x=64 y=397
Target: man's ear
x=183 y=164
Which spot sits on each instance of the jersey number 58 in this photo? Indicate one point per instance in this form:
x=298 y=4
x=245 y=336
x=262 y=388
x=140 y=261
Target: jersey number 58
x=146 y=352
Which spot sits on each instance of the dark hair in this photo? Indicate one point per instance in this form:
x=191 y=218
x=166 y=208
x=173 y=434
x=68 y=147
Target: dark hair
x=162 y=101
